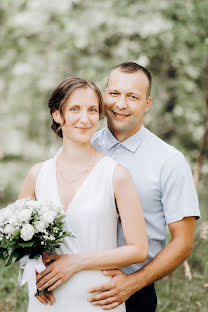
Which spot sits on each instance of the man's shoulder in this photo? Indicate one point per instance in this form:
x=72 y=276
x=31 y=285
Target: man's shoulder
x=98 y=137
x=98 y=134
x=161 y=150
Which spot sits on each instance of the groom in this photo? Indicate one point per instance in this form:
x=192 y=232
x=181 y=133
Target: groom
x=164 y=182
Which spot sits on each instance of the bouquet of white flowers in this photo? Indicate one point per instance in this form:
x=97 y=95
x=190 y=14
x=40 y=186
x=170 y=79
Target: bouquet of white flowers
x=28 y=228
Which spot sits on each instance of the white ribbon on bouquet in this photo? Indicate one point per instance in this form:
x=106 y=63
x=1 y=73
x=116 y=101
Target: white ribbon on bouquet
x=30 y=267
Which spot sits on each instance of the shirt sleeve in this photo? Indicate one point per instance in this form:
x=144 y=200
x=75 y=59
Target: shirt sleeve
x=179 y=197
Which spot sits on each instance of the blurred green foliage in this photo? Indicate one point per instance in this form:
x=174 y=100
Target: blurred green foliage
x=43 y=42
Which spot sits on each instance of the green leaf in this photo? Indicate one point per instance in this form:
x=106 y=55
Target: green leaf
x=16 y=234
x=12 y=257
x=26 y=244
x=6 y=243
x=60 y=218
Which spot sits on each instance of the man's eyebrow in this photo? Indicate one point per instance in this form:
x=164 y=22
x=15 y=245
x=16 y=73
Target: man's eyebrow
x=111 y=89
x=135 y=93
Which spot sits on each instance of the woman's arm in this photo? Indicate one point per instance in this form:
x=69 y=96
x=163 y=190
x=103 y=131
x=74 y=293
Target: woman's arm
x=133 y=225
x=28 y=191
x=134 y=230
x=28 y=187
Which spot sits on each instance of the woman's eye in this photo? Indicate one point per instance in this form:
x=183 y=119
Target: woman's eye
x=73 y=109
x=93 y=110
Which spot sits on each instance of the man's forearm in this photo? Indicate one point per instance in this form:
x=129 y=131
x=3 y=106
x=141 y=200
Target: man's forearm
x=165 y=262
x=122 y=285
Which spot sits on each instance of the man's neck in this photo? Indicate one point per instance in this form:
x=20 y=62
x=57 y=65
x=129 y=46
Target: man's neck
x=122 y=136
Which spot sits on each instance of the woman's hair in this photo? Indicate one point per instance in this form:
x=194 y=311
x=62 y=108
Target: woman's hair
x=63 y=92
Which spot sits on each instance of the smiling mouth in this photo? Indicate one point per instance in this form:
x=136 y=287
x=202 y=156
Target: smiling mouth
x=120 y=116
x=83 y=129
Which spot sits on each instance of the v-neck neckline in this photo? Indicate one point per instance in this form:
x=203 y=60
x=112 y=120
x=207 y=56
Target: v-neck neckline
x=79 y=188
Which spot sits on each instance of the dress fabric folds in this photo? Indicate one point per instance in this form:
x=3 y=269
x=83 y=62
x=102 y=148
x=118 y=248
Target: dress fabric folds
x=92 y=218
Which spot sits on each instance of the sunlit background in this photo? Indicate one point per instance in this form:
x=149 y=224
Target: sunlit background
x=43 y=42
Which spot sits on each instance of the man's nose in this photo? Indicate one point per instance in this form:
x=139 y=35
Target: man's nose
x=122 y=103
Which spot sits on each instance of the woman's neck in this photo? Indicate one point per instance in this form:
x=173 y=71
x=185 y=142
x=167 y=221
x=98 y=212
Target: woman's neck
x=74 y=152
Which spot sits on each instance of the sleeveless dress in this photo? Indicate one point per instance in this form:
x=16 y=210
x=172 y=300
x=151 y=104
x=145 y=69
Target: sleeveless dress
x=92 y=218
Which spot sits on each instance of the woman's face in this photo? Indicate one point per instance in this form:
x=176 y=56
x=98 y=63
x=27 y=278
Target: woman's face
x=81 y=114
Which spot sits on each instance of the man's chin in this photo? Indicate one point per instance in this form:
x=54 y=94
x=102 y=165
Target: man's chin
x=120 y=126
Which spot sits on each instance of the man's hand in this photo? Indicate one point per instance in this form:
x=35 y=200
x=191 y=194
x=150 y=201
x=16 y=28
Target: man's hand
x=123 y=286
x=113 y=293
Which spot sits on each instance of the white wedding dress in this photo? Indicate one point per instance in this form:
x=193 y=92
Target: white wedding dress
x=92 y=218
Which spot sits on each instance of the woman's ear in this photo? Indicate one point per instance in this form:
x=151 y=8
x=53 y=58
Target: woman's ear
x=57 y=117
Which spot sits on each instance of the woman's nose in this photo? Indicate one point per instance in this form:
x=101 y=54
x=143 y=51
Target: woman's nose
x=84 y=117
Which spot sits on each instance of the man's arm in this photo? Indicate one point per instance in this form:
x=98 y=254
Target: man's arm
x=123 y=286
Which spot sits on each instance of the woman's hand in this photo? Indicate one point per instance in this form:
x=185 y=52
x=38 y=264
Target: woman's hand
x=46 y=299
x=60 y=269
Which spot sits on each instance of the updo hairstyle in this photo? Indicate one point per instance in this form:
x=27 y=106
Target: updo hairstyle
x=63 y=92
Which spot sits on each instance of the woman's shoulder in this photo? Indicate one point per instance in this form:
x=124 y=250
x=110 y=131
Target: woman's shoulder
x=35 y=170
x=28 y=187
x=121 y=174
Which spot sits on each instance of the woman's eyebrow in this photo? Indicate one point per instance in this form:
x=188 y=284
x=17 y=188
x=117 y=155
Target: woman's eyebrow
x=94 y=105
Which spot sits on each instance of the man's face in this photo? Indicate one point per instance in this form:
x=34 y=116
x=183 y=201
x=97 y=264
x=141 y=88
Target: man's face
x=126 y=102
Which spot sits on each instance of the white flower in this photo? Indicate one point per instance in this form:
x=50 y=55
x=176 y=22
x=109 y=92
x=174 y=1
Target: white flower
x=49 y=205
x=57 y=208
x=13 y=220
x=39 y=226
x=27 y=232
x=2 y=217
x=24 y=215
x=9 y=229
x=48 y=216
x=5 y=215
x=34 y=204
x=51 y=237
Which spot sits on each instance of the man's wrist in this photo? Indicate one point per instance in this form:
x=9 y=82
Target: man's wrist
x=136 y=280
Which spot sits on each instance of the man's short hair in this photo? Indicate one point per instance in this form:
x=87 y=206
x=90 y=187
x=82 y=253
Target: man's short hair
x=131 y=67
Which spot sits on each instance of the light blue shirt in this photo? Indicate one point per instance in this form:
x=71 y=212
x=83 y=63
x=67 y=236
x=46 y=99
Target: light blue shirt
x=163 y=180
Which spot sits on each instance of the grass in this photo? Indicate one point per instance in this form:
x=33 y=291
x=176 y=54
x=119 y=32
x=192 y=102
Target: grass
x=175 y=292
x=12 y=297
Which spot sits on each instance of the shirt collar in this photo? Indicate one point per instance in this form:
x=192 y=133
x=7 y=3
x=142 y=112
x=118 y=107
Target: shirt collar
x=132 y=143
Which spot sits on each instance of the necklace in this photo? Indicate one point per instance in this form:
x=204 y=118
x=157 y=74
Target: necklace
x=79 y=177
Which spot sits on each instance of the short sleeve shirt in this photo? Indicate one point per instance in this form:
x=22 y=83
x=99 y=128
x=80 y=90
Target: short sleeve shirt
x=163 y=180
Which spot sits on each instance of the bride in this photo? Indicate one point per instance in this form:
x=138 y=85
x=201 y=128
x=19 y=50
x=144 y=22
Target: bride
x=94 y=191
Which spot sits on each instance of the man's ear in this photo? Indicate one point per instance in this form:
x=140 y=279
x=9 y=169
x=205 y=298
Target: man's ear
x=57 y=117
x=148 y=104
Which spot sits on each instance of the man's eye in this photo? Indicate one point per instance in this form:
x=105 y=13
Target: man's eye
x=113 y=93
x=133 y=97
